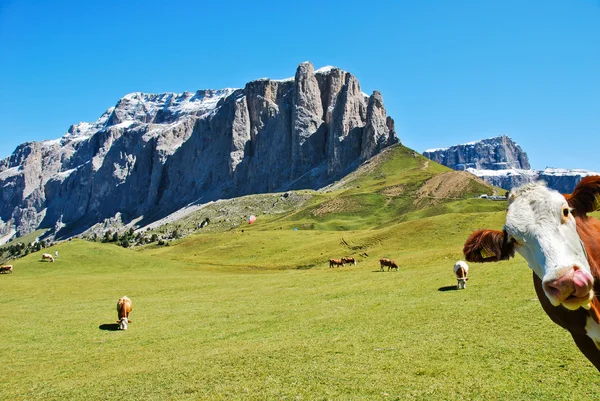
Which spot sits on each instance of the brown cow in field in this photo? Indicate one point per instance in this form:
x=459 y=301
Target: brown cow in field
x=124 y=307
x=349 y=260
x=6 y=269
x=561 y=244
x=47 y=256
x=390 y=263
x=336 y=262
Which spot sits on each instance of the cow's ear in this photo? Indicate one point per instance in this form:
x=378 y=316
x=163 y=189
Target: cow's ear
x=488 y=246
x=585 y=197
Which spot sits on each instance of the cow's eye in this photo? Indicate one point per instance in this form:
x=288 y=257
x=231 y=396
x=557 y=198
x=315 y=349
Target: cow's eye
x=566 y=211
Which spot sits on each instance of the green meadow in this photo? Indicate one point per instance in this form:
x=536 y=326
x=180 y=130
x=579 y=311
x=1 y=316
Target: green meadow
x=259 y=315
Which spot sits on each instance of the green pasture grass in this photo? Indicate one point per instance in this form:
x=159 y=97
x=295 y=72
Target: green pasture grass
x=27 y=238
x=260 y=315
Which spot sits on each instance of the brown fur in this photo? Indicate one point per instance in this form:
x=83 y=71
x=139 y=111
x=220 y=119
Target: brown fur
x=336 y=262
x=584 y=198
x=349 y=260
x=6 y=269
x=124 y=307
x=488 y=246
x=390 y=263
x=495 y=247
x=461 y=273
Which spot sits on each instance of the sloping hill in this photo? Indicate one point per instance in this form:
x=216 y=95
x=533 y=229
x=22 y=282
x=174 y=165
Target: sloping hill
x=396 y=185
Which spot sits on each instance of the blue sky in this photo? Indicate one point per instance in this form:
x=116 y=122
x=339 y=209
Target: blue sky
x=449 y=71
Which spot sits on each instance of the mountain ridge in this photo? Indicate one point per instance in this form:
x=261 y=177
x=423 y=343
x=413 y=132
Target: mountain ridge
x=151 y=154
x=501 y=162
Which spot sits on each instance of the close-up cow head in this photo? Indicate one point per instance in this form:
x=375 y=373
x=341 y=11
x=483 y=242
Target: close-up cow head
x=541 y=227
x=123 y=323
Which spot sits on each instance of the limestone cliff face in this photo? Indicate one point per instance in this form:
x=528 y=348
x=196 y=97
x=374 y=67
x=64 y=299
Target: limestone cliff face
x=497 y=153
x=501 y=162
x=152 y=154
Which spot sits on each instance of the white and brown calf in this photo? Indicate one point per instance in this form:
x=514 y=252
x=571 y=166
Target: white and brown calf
x=124 y=307
x=461 y=269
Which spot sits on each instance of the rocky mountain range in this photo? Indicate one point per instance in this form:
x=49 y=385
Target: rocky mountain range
x=152 y=154
x=501 y=162
x=499 y=153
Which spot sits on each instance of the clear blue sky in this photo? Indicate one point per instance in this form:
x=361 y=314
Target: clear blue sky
x=449 y=71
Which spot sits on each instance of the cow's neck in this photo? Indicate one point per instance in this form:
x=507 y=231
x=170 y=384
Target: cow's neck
x=588 y=229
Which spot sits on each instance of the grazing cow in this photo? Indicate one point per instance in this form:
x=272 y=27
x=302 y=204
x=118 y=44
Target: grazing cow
x=562 y=246
x=124 y=307
x=461 y=269
x=47 y=256
x=336 y=262
x=6 y=269
x=349 y=260
x=390 y=263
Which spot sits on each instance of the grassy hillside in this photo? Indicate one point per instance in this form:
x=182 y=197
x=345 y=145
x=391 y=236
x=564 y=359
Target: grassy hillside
x=219 y=327
x=259 y=314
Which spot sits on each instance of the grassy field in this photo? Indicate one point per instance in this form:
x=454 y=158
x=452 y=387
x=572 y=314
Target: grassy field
x=255 y=312
x=234 y=316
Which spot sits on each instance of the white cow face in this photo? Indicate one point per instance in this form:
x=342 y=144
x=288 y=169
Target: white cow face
x=123 y=324
x=462 y=283
x=542 y=227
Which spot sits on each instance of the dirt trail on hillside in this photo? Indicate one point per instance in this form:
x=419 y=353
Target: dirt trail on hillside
x=452 y=184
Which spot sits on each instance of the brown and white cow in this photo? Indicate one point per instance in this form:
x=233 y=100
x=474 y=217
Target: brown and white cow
x=461 y=269
x=561 y=244
x=349 y=260
x=336 y=262
x=124 y=307
x=390 y=263
x=47 y=256
x=6 y=269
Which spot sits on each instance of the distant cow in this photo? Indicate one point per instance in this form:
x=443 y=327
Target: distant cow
x=6 y=269
x=349 y=260
x=461 y=269
x=47 y=256
x=390 y=263
x=336 y=262
x=124 y=307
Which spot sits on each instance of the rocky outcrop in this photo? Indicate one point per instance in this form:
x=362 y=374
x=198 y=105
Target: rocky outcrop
x=497 y=153
x=152 y=154
x=501 y=162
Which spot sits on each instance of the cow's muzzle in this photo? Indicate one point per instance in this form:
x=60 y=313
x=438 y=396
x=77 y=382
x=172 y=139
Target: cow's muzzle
x=572 y=287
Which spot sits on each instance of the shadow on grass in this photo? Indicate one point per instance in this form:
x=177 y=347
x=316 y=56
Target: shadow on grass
x=447 y=288
x=109 y=327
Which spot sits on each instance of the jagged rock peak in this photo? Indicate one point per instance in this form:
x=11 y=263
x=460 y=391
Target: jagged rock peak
x=497 y=153
x=152 y=154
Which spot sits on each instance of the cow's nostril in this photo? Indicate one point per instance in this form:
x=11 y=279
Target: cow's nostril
x=552 y=289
